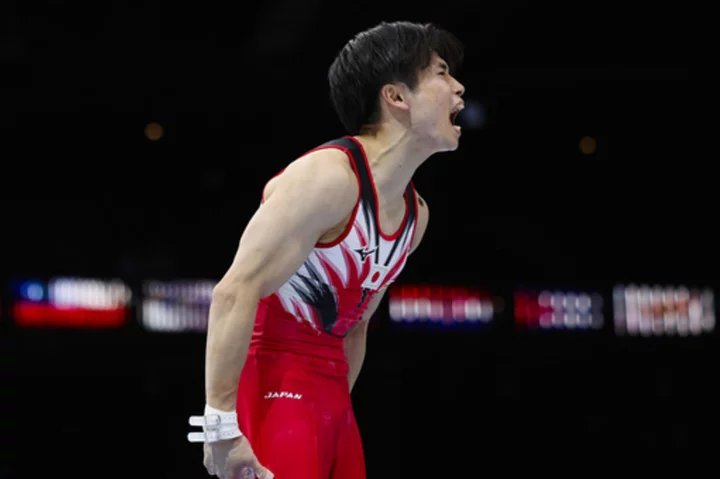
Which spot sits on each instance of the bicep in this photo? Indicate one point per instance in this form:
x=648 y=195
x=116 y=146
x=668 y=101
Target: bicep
x=286 y=227
x=273 y=246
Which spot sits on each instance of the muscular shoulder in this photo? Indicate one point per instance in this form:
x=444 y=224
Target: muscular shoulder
x=325 y=173
x=423 y=217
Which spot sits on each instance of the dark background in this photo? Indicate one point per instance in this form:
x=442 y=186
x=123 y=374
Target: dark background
x=241 y=90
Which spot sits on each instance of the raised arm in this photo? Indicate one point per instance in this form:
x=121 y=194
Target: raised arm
x=313 y=195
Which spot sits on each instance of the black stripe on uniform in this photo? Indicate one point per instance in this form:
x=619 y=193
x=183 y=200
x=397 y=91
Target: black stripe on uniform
x=367 y=193
x=407 y=228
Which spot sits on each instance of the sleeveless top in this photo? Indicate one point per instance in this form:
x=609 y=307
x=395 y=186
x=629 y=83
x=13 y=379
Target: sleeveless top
x=316 y=308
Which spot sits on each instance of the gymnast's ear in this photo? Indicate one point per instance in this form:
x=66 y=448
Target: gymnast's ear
x=394 y=96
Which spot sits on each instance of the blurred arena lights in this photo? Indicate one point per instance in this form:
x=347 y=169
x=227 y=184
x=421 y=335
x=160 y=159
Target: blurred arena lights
x=154 y=131
x=441 y=305
x=646 y=310
x=71 y=302
x=558 y=310
x=474 y=116
x=588 y=145
x=176 y=306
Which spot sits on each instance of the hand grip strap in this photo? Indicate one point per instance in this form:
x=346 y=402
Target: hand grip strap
x=217 y=426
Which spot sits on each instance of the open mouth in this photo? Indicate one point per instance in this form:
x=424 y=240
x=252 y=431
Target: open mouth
x=453 y=117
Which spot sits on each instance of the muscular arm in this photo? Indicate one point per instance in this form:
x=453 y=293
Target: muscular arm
x=355 y=342
x=313 y=195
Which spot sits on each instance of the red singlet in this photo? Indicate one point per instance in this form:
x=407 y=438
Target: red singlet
x=294 y=401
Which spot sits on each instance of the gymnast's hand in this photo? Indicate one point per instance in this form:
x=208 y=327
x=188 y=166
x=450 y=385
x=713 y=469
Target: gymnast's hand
x=234 y=459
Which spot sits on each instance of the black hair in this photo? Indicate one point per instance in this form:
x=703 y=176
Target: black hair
x=388 y=52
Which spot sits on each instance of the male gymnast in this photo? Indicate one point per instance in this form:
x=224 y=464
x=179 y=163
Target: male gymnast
x=288 y=320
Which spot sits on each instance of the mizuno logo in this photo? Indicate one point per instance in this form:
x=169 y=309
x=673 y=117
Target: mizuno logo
x=283 y=395
x=365 y=252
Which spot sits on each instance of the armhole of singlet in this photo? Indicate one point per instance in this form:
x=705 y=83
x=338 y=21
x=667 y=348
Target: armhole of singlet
x=349 y=226
x=417 y=216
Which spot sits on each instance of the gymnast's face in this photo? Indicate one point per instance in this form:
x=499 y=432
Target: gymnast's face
x=433 y=106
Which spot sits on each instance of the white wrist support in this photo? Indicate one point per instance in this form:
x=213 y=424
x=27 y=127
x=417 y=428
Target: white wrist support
x=217 y=426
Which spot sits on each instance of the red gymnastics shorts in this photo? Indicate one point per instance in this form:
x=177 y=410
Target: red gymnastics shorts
x=297 y=414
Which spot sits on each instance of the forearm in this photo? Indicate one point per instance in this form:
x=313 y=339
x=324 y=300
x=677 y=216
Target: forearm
x=230 y=327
